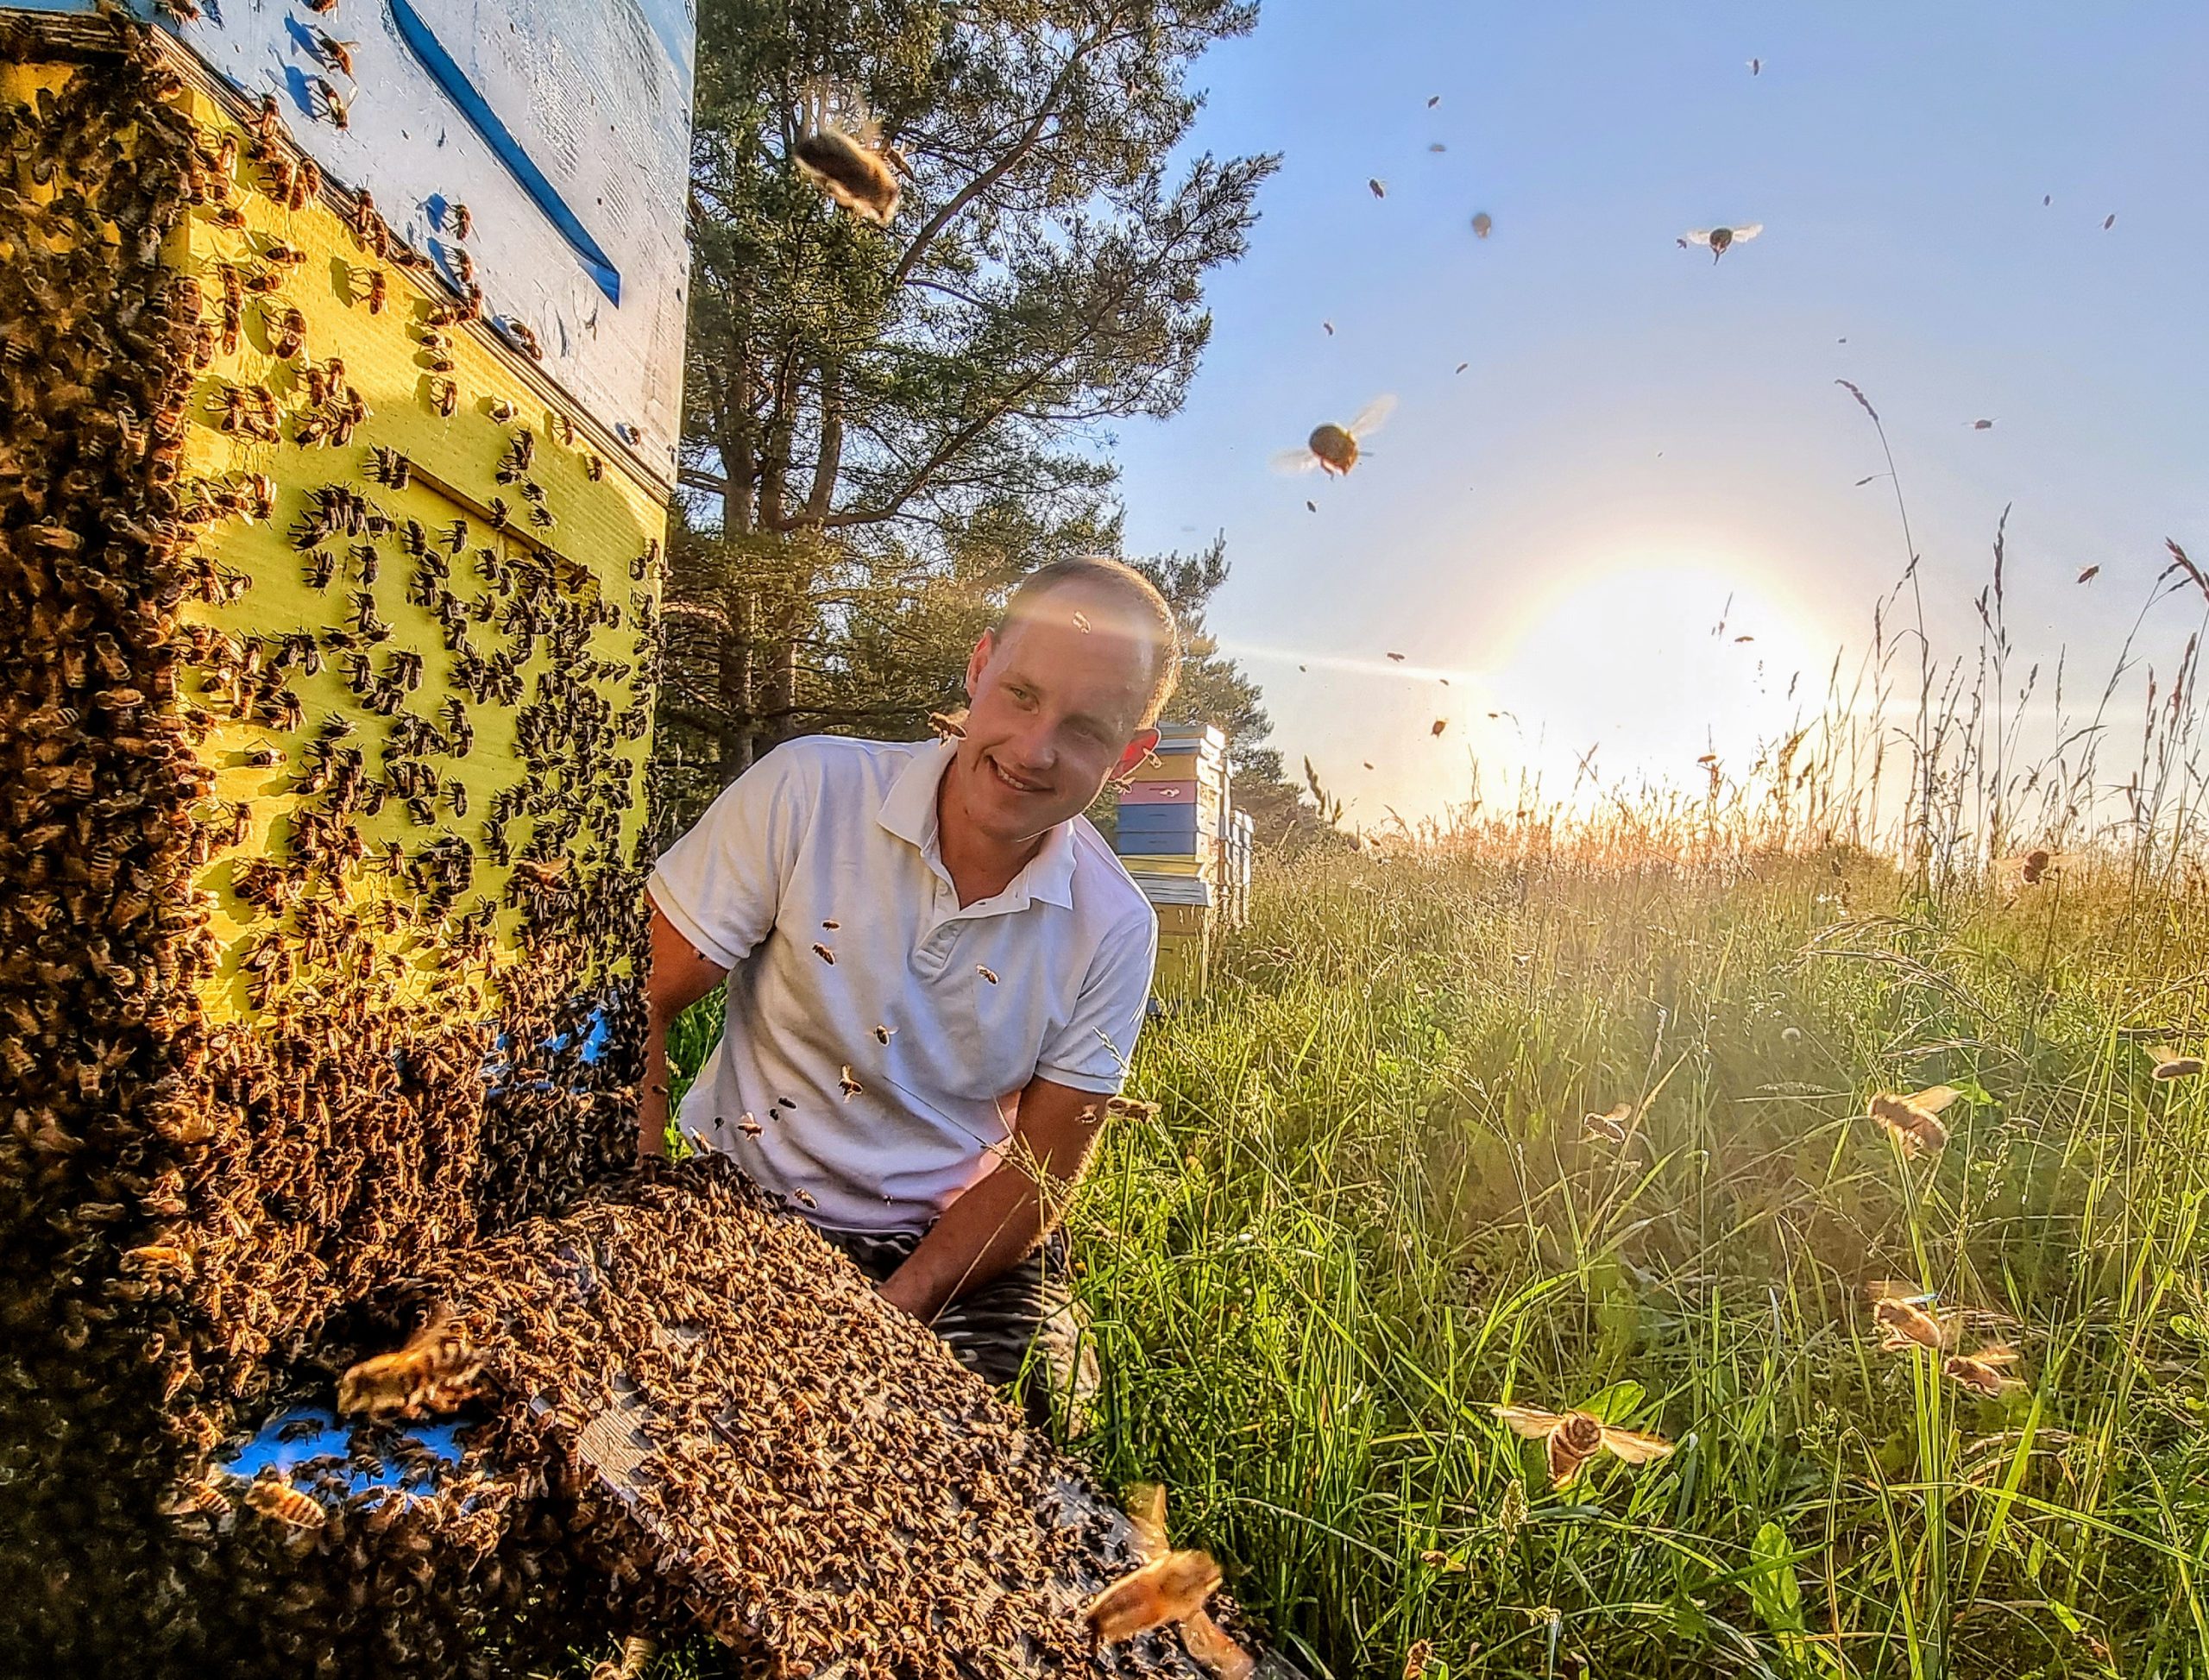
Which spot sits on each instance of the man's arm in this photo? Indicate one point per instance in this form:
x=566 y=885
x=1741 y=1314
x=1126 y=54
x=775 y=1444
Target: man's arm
x=997 y=1222
x=680 y=978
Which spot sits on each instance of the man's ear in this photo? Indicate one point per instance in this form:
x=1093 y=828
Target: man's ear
x=1138 y=750
x=979 y=660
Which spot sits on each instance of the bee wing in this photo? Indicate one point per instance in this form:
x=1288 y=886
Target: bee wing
x=1898 y=1289
x=1372 y=417
x=1748 y=232
x=1295 y=460
x=1530 y=1421
x=1208 y=1645
x=1699 y=236
x=1933 y=1098
x=2000 y=1354
x=1633 y=1447
x=1146 y=1509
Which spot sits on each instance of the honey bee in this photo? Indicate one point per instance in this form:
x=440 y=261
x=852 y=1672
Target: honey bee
x=1440 y=724
x=541 y=874
x=463 y=265
x=2177 y=1068
x=445 y=393
x=593 y=467
x=747 y=1125
x=1911 y=1120
x=1483 y=225
x=524 y=338
x=946 y=727
x=281 y=1502
x=1898 y=1309
x=1169 y=1586
x=882 y=1034
x=287 y=331
x=1981 y=1372
x=197 y=1496
x=1377 y=187
x=464 y=221
x=290 y=256
x=843 y=154
x=805 y=1197
x=1336 y=448
x=1574 y=1437
x=824 y=954
x=372 y=290
x=636 y=1655
x=850 y=1086
x=1610 y=1126
x=336 y=106
x=1416 y=1655
x=987 y=972
x=392 y=467
x=435 y=1370
x=564 y=430
x=501 y=410
x=1720 y=240
x=336 y=54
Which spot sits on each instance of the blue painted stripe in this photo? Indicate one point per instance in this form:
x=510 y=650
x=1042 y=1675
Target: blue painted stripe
x=448 y=76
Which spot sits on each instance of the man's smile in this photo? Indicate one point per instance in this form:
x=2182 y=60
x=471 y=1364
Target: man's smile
x=1014 y=782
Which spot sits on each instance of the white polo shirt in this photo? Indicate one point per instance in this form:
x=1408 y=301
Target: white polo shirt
x=1049 y=977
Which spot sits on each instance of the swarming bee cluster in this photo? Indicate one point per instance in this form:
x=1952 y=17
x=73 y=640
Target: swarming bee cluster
x=334 y=634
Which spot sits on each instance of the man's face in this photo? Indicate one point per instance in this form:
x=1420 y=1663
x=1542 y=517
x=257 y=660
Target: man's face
x=1052 y=716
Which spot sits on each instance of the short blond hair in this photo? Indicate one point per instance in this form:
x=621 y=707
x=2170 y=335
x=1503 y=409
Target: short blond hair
x=1149 y=615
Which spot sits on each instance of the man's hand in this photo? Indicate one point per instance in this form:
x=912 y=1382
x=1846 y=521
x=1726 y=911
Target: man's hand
x=680 y=978
x=997 y=1222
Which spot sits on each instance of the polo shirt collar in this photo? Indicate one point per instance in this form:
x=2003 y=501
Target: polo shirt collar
x=909 y=811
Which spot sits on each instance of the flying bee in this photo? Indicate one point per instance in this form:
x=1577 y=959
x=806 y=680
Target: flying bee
x=748 y=1126
x=1720 y=240
x=824 y=954
x=1574 y=1437
x=987 y=972
x=281 y=1502
x=946 y=727
x=2177 y=1068
x=434 y=1371
x=881 y=1035
x=805 y=1197
x=1483 y=225
x=1168 y=1586
x=1440 y=724
x=1335 y=448
x=1981 y=1372
x=842 y=152
x=1610 y=1126
x=1911 y=1120
x=850 y=1086
x=1899 y=1311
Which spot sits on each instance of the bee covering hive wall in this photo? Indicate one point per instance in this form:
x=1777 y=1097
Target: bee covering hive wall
x=320 y=871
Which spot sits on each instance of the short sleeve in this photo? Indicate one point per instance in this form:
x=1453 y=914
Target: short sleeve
x=1091 y=1051
x=722 y=883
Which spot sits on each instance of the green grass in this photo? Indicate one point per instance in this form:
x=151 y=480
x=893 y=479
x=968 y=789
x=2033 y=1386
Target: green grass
x=1368 y=1211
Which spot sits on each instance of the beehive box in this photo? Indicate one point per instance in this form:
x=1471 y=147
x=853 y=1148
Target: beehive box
x=1173 y=835
x=334 y=623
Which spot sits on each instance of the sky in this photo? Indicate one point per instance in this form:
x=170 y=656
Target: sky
x=1641 y=434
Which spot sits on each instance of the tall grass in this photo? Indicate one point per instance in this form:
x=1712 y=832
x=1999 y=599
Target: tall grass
x=1368 y=1210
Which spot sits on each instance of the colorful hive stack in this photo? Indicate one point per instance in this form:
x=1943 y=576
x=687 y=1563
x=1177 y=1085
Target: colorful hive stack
x=1175 y=825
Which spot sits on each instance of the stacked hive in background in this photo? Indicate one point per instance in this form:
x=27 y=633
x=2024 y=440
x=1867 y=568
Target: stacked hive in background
x=1187 y=849
x=332 y=612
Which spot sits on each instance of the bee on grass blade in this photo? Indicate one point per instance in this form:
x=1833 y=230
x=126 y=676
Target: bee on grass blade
x=843 y=154
x=1334 y=448
x=1574 y=1437
x=2177 y=1068
x=1910 y=1119
x=1169 y=1586
x=1610 y=1126
x=1982 y=1372
x=1721 y=240
x=1421 y=1653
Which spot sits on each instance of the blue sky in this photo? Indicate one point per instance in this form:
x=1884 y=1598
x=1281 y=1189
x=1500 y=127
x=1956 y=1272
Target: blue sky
x=1516 y=526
